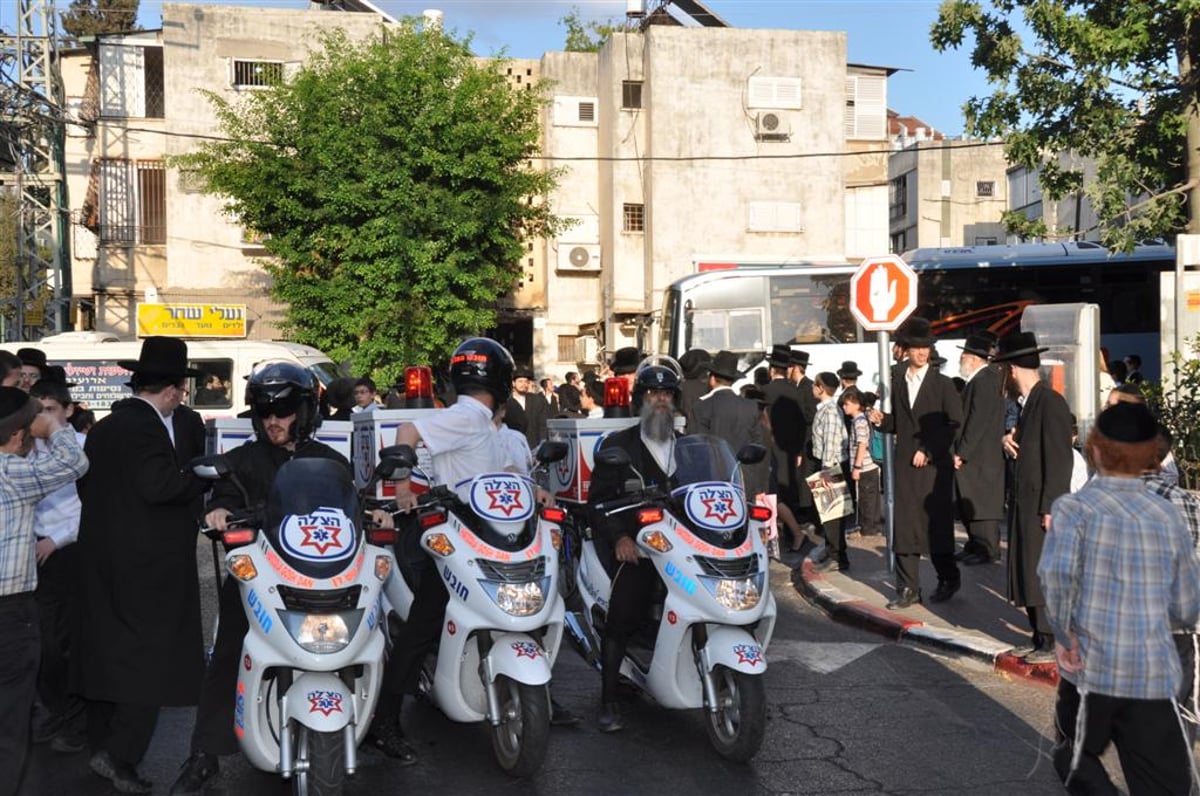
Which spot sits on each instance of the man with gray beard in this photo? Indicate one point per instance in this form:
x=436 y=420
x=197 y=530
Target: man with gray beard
x=651 y=448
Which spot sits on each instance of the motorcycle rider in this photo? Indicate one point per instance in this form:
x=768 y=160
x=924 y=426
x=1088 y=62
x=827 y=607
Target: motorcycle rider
x=285 y=415
x=464 y=443
x=650 y=445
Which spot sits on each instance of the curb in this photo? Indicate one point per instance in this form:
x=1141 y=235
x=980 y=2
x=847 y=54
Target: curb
x=852 y=611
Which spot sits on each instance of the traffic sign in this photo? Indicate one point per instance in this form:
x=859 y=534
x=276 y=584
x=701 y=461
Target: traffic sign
x=883 y=292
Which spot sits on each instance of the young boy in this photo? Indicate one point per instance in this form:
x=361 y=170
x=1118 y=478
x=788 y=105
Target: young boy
x=864 y=473
x=829 y=450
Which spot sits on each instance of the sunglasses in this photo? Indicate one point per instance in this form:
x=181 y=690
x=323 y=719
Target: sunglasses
x=281 y=407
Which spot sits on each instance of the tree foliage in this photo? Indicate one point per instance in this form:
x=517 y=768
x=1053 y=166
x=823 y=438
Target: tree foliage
x=10 y=230
x=392 y=183
x=1101 y=79
x=1176 y=403
x=89 y=17
x=586 y=37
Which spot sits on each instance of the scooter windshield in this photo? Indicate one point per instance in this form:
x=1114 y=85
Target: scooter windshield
x=311 y=516
x=709 y=491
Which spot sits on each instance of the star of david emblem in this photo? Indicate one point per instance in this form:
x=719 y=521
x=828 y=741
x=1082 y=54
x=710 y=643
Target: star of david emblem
x=325 y=702
x=719 y=509
x=321 y=537
x=748 y=653
x=527 y=649
x=507 y=500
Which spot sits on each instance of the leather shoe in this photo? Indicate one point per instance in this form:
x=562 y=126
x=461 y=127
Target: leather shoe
x=904 y=599
x=1039 y=657
x=975 y=559
x=945 y=590
x=195 y=773
x=610 y=717
x=124 y=777
x=828 y=565
x=385 y=736
x=961 y=555
x=561 y=716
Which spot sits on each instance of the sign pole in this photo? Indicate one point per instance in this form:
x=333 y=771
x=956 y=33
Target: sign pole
x=889 y=449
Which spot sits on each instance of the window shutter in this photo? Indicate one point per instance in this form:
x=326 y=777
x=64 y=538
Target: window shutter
x=850 y=120
x=122 y=81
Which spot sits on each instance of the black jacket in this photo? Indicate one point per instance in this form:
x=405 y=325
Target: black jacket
x=255 y=465
x=736 y=420
x=609 y=482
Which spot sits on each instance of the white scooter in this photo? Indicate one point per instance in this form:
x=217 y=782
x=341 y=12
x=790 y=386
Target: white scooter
x=708 y=547
x=496 y=552
x=312 y=661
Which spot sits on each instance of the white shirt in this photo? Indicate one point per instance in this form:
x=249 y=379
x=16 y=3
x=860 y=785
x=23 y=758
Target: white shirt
x=517 y=448
x=914 y=378
x=166 y=419
x=371 y=407
x=56 y=516
x=463 y=442
x=595 y=412
x=1079 y=471
x=663 y=452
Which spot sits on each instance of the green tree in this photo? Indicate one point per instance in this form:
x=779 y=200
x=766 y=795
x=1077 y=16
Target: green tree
x=391 y=180
x=89 y=17
x=1113 y=80
x=10 y=230
x=586 y=37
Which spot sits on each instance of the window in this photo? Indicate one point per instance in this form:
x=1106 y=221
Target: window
x=987 y=188
x=631 y=94
x=866 y=107
x=566 y=348
x=575 y=111
x=131 y=81
x=213 y=389
x=764 y=91
x=257 y=74
x=775 y=217
x=898 y=198
x=989 y=240
x=634 y=218
x=899 y=242
x=587 y=111
x=133 y=201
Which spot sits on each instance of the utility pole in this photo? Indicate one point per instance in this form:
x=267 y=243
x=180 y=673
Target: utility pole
x=33 y=115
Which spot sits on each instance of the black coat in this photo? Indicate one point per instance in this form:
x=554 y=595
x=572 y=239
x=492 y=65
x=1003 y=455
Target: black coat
x=609 y=482
x=138 y=631
x=1043 y=472
x=787 y=435
x=529 y=419
x=690 y=391
x=924 y=518
x=736 y=420
x=255 y=465
x=980 y=480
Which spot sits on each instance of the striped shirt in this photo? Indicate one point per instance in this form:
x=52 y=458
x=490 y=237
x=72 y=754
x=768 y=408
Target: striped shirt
x=1189 y=506
x=1119 y=572
x=829 y=434
x=23 y=482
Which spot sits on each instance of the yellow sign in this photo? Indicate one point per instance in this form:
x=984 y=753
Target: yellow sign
x=191 y=320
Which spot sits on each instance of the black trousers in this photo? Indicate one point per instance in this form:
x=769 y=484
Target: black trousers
x=122 y=729
x=1185 y=645
x=632 y=590
x=908 y=569
x=55 y=606
x=834 y=530
x=983 y=536
x=18 y=678
x=214 y=732
x=867 y=502
x=1043 y=635
x=1151 y=746
x=417 y=637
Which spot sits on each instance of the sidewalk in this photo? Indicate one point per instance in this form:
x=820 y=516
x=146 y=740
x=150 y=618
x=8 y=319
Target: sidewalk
x=978 y=622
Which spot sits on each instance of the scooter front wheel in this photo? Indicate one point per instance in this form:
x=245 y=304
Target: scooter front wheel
x=519 y=741
x=737 y=726
x=321 y=763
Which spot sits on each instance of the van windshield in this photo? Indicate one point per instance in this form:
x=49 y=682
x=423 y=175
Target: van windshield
x=324 y=371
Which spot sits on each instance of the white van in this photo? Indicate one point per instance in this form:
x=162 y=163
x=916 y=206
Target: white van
x=90 y=360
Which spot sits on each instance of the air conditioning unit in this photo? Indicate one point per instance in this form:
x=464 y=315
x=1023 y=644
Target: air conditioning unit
x=587 y=349
x=772 y=126
x=579 y=257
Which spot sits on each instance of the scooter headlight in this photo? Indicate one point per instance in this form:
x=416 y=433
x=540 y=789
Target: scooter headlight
x=518 y=599
x=321 y=633
x=736 y=594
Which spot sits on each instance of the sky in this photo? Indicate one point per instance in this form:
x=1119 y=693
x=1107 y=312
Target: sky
x=882 y=32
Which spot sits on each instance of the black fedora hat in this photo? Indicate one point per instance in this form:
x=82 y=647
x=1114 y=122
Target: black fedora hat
x=724 y=366
x=849 y=370
x=915 y=333
x=979 y=344
x=694 y=361
x=1020 y=349
x=800 y=358
x=780 y=356
x=625 y=360
x=161 y=356
x=57 y=374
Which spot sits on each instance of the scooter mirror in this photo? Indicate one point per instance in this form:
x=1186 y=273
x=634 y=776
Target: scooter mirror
x=551 y=451
x=402 y=455
x=751 y=453
x=210 y=468
x=613 y=457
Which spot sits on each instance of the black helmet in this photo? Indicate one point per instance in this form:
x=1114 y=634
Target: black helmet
x=281 y=388
x=656 y=373
x=483 y=364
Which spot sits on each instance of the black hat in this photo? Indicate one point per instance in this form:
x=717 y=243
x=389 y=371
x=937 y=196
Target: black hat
x=523 y=373
x=57 y=374
x=936 y=359
x=780 y=356
x=1021 y=349
x=161 y=356
x=1127 y=422
x=724 y=365
x=849 y=370
x=800 y=358
x=32 y=356
x=590 y=377
x=915 y=333
x=17 y=410
x=625 y=360
x=978 y=344
x=693 y=361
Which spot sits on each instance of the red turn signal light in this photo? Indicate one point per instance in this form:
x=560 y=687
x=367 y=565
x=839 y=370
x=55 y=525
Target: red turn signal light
x=553 y=515
x=649 y=516
x=240 y=536
x=431 y=518
x=382 y=536
x=760 y=513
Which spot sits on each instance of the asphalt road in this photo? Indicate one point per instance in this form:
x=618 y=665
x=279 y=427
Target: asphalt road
x=849 y=713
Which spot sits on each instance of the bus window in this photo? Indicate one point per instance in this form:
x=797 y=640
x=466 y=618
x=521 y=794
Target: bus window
x=725 y=314
x=812 y=309
x=213 y=389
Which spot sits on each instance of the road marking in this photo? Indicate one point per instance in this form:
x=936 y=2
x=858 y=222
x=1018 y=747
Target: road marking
x=820 y=657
